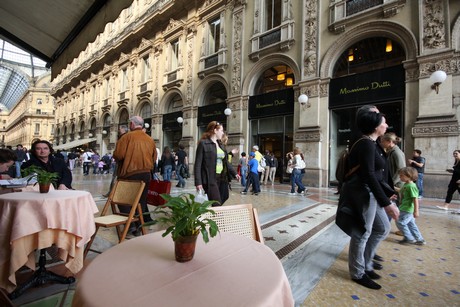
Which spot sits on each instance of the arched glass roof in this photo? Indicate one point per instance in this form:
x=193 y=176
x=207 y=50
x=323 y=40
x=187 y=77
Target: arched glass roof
x=17 y=67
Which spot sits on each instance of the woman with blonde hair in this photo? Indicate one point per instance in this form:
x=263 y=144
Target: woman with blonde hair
x=298 y=164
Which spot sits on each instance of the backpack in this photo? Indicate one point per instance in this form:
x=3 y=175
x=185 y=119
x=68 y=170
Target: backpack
x=343 y=171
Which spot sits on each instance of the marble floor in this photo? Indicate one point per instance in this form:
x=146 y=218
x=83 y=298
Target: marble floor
x=301 y=232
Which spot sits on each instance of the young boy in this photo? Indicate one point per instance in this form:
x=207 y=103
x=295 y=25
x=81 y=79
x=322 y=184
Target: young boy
x=253 y=175
x=409 y=207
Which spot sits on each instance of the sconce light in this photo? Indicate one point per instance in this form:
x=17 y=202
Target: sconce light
x=303 y=100
x=437 y=78
x=104 y=132
x=180 y=120
x=289 y=81
x=90 y=135
x=146 y=125
x=228 y=111
x=280 y=77
x=351 y=57
x=389 y=46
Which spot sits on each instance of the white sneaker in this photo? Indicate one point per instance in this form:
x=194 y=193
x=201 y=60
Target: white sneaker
x=442 y=208
x=292 y=194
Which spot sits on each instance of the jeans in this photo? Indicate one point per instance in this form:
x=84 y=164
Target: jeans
x=243 y=171
x=420 y=184
x=167 y=171
x=86 y=166
x=406 y=223
x=296 y=179
x=253 y=179
x=181 y=179
x=18 y=168
x=363 y=246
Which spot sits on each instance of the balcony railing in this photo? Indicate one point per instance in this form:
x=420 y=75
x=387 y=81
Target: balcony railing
x=345 y=12
x=270 y=38
x=172 y=77
x=356 y=6
x=211 y=61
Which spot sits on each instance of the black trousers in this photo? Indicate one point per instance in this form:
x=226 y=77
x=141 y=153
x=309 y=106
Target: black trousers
x=145 y=177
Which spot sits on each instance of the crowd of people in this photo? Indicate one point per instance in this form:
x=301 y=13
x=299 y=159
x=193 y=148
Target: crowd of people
x=377 y=156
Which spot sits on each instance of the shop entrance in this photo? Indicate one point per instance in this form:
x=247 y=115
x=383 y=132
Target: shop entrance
x=275 y=135
x=342 y=125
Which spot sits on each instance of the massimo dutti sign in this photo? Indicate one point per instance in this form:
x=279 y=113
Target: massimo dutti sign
x=369 y=87
x=272 y=104
x=170 y=121
x=209 y=113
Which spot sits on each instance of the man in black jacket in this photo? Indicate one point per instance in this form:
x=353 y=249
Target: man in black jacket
x=42 y=156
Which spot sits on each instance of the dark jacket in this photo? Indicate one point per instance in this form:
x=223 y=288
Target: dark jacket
x=54 y=165
x=206 y=161
x=371 y=176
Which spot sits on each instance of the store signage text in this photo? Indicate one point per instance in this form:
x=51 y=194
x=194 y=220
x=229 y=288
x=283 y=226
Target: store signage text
x=372 y=86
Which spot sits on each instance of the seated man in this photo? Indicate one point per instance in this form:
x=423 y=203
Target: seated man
x=7 y=159
x=42 y=156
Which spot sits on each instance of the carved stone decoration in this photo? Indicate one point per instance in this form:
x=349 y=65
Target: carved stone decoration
x=236 y=51
x=189 y=77
x=309 y=135
x=434 y=30
x=436 y=126
x=311 y=26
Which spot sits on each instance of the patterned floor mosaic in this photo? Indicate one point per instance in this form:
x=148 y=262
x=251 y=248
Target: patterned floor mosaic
x=301 y=232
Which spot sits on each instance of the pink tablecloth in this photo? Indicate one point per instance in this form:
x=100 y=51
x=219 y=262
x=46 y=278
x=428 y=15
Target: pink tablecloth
x=30 y=220
x=230 y=270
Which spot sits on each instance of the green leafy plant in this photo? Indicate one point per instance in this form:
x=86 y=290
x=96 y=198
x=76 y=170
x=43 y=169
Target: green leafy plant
x=184 y=216
x=41 y=175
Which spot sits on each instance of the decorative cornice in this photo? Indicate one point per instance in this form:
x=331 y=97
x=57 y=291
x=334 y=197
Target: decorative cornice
x=436 y=126
x=312 y=134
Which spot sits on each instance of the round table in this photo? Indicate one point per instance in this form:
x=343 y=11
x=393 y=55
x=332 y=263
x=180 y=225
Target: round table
x=31 y=220
x=230 y=270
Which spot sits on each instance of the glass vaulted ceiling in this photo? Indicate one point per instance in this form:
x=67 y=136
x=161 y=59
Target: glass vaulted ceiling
x=17 y=68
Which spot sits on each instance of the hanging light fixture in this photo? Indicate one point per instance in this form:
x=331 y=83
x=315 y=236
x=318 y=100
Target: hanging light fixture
x=389 y=46
x=280 y=77
x=289 y=81
x=351 y=57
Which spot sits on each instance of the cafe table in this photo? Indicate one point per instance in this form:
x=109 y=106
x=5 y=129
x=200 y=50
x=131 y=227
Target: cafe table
x=230 y=270
x=30 y=220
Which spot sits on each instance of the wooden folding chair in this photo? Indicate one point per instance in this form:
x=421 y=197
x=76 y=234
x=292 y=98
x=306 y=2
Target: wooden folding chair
x=125 y=193
x=239 y=219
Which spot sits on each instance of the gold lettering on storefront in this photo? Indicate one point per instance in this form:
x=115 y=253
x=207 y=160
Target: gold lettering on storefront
x=373 y=86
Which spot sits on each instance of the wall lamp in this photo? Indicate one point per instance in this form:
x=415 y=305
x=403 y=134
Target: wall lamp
x=228 y=111
x=303 y=100
x=437 y=78
x=180 y=120
x=90 y=135
x=104 y=132
x=146 y=125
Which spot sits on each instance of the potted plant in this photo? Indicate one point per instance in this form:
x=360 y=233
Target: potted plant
x=185 y=218
x=43 y=177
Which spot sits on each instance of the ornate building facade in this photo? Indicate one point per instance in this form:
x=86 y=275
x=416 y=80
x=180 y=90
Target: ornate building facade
x=180 y=64
x=32 y=117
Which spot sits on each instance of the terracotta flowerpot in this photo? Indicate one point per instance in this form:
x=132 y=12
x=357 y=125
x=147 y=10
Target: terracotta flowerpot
x=44 y=188
x=184 y=248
